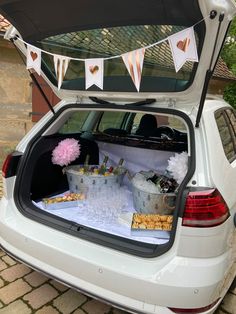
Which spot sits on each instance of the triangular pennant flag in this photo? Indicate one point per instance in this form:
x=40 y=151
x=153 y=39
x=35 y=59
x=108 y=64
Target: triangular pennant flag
x=134 y=63
x=33 y=59
x=94 y=72
x=183 y=47
x=61 y=64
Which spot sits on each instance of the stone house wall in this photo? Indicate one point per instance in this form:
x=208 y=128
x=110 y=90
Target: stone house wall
x=15 y=96
x=15 y=83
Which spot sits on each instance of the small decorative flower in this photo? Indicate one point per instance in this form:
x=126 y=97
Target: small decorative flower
x=66 y=152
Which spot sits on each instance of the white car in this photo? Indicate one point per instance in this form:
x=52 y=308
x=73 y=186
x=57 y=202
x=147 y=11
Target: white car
x=155 y=232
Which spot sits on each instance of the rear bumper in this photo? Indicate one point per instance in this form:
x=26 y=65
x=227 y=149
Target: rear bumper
x=136 y=284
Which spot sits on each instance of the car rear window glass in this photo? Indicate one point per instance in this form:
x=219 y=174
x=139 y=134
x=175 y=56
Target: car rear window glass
x=158 y=73
x=74 y=123
x=232 y=120
x=111 y=119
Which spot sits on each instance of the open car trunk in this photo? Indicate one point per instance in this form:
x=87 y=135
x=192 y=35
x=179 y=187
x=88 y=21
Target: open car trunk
x=134 y=207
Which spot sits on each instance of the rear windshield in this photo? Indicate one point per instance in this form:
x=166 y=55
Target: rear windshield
x=158 y=72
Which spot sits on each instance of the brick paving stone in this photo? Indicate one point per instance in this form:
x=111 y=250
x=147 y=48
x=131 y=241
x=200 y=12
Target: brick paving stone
x=40 y=296
x=233 y=287
x=10 y=261
x=118 y=311
x=229 y=304
x=13 y=291
x=3 y=265
x=69 y=301
x=59 y=286
x=1 y=283
x=219 y=311
x=79 y=311
x=35 y=279
x=96 y=307
x=14 y=272
x=17 y=307
x=47 y=310
x=2 y=253
x=233 y=291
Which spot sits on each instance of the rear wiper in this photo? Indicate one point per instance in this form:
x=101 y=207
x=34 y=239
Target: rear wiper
x=138 y=103
x=100 y=101
x=143 y=102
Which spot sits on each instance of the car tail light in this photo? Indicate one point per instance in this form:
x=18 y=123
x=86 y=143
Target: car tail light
x=10 y=164
x=195 y=310
x=205 y=209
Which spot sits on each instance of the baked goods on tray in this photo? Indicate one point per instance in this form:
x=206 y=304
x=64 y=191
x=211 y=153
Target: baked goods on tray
x=152 y=222
x=65 y=198
x=63 y=201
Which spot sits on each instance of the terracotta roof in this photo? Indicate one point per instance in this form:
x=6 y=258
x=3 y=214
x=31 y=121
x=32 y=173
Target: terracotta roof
x=4 y=24
x=222 y=71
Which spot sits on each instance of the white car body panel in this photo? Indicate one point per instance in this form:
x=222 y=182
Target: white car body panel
x=195 y=271
x=95 y=269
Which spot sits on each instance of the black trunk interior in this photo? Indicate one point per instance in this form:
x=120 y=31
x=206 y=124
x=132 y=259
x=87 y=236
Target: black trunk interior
x=46 y=178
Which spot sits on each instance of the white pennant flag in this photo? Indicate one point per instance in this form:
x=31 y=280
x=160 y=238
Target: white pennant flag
x=33 y=59
x=94 y=72
x=134 y=63
x=61 y=65
x=183 y=47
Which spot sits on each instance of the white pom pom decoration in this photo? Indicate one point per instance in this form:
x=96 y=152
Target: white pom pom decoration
x=178 y=166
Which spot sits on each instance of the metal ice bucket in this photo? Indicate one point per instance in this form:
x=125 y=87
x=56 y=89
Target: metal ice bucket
x=90 y=182
x=153 y=203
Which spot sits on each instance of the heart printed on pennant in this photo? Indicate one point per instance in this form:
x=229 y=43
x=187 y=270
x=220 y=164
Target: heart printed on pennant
x=183 y=44
x=94 y=69
x=34 y=55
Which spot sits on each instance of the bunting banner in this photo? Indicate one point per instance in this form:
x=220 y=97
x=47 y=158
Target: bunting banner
x=183 y=47
x=94 y=72
x=133 y=61
x=61 y=65
x=33 y=58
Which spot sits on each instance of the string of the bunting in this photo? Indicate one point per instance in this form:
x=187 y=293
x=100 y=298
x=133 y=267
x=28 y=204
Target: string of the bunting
x=182 y=45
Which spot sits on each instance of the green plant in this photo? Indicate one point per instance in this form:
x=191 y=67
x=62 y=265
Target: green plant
x=230 y=94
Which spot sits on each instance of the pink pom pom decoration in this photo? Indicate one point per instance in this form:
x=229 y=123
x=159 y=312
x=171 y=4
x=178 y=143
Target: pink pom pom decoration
x=66 y=152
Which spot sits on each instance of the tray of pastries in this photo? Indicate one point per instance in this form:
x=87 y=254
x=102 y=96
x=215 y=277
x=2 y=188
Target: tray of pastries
x=63 y=201
x=151 y=225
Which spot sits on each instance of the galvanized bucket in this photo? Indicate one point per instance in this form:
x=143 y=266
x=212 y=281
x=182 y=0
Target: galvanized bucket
x=153 y=203
x=87 y=183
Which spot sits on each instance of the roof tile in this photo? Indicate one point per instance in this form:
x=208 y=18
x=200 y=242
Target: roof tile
x=4 y=24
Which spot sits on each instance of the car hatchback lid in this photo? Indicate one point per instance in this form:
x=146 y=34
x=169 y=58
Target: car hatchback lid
x=70 y=34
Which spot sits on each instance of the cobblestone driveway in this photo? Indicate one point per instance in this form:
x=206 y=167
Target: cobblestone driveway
x=25 y=291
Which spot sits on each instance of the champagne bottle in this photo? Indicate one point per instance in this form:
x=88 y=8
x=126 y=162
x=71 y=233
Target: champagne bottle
x=154 y=179
x=119 y=169
x=103 y=166
x=86 y=164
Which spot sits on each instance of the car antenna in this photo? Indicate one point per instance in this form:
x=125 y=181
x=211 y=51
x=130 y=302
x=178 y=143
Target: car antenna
x=34 y=78
x=209 y=72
